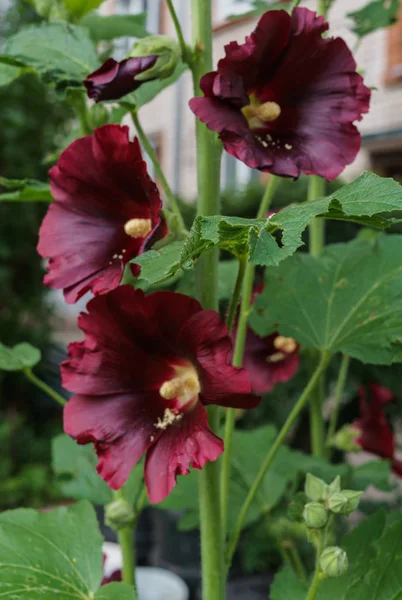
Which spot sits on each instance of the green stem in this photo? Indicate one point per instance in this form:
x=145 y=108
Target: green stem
x=267 y=197
x=173 y=204
x=316 y=189
x=141 y=501
x=236 y=293
x=315 y=584
x=185 y=50
x=317 y=433
x=44 y=387
x=298 y=564
x=340 y=386
x=127 y=544
x=208 y=179
x=300 y=404
x=78 y=102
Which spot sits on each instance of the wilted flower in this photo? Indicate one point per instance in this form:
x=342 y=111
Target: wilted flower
x=285 y=100
x=142 y=377
x=106 y=211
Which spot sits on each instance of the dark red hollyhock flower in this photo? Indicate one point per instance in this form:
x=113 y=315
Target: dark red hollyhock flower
x=116 y=79
x=142 y=377
x=285 y=100
x=374 y=432
x=114 y=576
x=106 y=211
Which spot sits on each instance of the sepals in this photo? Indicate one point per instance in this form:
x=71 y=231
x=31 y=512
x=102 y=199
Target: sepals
x=165 y=48
x=334 y=561
x=315 y=515
x=119 y=514
x=344 y=502
x=314 y=488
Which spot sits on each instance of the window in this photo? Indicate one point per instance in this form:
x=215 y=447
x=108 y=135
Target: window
x=132 y=7
x=235 y=174
x=225 y=8
x=394 y=59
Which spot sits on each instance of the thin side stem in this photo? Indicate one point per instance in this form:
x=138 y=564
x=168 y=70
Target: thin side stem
x=317 y=433
x=44 y=387
x=340 y=386
x=185 y=50
x=173 y=204
x=208 y=179
x=320 y=369
x=267 y=197
x=141 y=501
x=236 y=293
x=315 y=584
x=126 y=542
x=316 y=189
x=298 y=564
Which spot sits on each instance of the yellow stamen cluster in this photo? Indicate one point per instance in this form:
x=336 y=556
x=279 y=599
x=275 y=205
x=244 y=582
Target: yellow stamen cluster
x=169 y=417
x=138 y=228
x=286 y=344
x=258 y=114
x=180 y=387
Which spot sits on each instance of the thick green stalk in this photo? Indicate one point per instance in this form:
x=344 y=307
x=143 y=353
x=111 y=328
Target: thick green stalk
x=173 y=204
x=340 y=386
x=44 y=387
x=320 y=369
x=126 y=542
x=208 y=178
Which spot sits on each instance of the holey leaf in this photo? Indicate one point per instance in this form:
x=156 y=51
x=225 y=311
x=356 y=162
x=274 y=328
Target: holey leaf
x=44 y=556
x=349 y=300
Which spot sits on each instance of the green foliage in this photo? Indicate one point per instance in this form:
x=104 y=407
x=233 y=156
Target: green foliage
x=79 y=8
x=25 y=190
x=288 y=585
x=75 y=468
x=150 y=89
x=8 y=73
x=110 y=27
x=373 y=16
x=115 y=591
x=61 y=54
x=258 y=7
x=347 y=301
x=158 y=265
x=18 y=358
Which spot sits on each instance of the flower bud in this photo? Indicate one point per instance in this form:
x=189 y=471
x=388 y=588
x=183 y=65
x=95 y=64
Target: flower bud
x=333 y=488
x=346 y=439
x=315 y=515
x=119 y=514
x=344 y=502
x=334 y=561
x=164 y=48
x=314 y=487
x=50 y=9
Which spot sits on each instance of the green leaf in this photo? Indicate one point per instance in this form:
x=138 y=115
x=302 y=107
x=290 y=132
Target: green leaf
x=374 y=472
x=349 y=300
x=60 y=53
x=150 y=89
x=79 y=8
x=109 y=27
x=50 y=555
x=8 y=73
x=287 y=586
x=158 y=265
x=115 y=591
x=19 y=357
x=25 y=190
x=375 y=15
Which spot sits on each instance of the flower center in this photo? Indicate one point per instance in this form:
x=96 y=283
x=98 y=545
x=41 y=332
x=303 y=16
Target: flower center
x=286 y=344
x=258 y=114
x=184 y=388
x=138 y=228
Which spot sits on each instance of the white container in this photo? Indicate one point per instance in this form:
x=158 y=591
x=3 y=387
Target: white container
x=152 y=583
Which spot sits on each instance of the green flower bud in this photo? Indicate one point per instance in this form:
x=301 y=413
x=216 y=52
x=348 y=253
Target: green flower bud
x=334 y=561
x=345 y=439
x=315 y=515
x=165 y=48
x=333 y=487
x=119 y=514
x=314 y=487
x=344 y=502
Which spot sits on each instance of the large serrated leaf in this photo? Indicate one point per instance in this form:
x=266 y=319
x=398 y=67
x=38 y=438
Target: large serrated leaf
x=50 y=555
x=110 y=27
x=115 y=591
x=349 y=300
x=61 y=54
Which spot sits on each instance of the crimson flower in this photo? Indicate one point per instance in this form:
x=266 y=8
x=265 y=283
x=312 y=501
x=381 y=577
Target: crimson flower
x=374 y=432
x=116 y=79
x=142 y=377
x=106 y=211
x=285 y=100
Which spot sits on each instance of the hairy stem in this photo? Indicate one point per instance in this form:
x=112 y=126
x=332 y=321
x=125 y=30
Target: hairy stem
x=320 y=369
x=44 y=387
x=313 y=591
x=173 y=204
x=340 y=386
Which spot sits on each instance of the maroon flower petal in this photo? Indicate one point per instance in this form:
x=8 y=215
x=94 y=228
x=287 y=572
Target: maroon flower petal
x=83 y=231
x=375 y=433
x=116 y=79
x=189 y=442
x=207 y=342
x=121 y=427
x=311 y=79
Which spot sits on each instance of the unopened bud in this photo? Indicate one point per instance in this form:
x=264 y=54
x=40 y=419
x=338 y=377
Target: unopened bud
x=344 y=502
x=119 y=514
x=165 y=48
x=334 y=561
x=315 y=515
x=346 y=439
x=333 y=488
x=314 y=487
